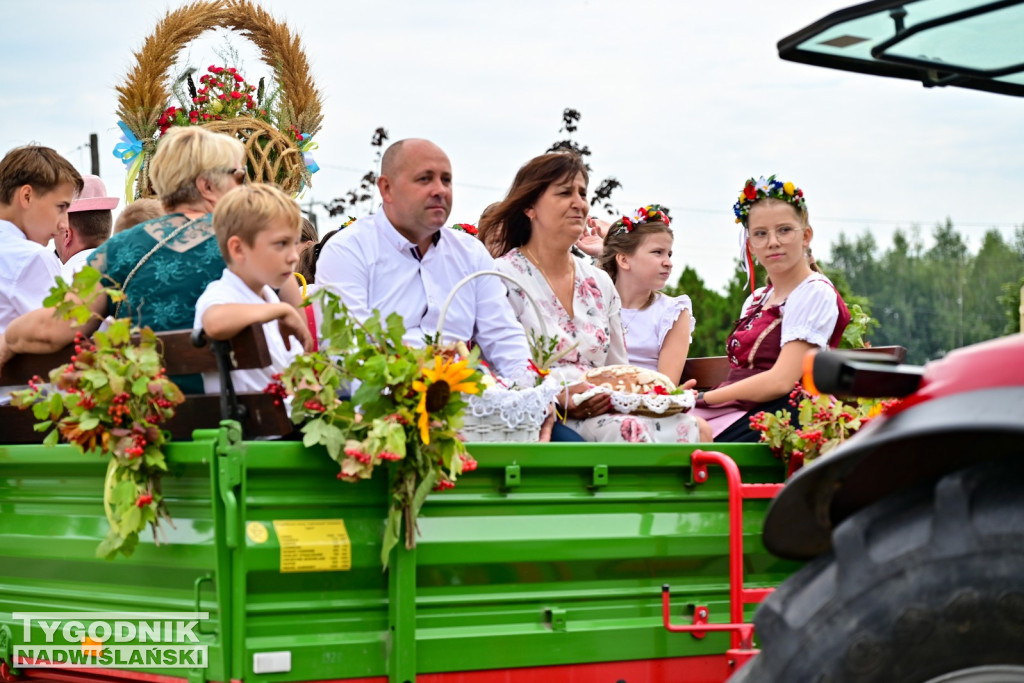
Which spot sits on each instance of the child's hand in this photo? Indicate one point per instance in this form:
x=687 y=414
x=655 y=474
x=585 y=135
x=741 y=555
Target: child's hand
x=293 y=324
x=592 y=241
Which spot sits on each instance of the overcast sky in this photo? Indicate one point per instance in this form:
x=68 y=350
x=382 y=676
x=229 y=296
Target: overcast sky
x=681 y=101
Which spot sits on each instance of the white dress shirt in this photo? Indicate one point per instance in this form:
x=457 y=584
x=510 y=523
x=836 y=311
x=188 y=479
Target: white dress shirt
x=74 y=264
x=27 y=272
x=230 y=289
x=370 y=265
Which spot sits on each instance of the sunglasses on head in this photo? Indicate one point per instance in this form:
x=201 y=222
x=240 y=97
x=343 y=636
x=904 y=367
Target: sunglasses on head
x=240 y=174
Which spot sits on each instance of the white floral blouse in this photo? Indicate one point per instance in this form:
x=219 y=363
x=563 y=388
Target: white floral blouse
x=595 y=335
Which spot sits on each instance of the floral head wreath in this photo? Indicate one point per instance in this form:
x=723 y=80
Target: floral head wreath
x=465 y=227
x=755 y=191
x=645 y=214
x=770 y=188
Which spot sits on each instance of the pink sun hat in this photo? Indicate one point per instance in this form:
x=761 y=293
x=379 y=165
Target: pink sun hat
x=93 y=196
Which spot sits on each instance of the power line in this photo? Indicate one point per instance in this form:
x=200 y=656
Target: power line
x=719 y=212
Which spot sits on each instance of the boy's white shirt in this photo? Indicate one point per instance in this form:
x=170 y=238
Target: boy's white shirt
x=230 y=289
x=27 y=272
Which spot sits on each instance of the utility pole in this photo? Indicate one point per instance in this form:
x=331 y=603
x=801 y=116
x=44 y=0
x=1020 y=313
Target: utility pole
x=311 y=214
x=94 y=153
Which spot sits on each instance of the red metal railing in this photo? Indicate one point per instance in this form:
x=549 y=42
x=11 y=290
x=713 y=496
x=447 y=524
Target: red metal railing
x=742 y=633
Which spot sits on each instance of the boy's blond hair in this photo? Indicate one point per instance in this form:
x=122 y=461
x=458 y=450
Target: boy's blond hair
x=139 y=211
x=40 y=167
x=248 y=210
x=186 y=153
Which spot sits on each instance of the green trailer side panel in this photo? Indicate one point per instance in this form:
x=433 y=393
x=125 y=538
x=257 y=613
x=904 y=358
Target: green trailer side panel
x=549 y=570
x=546 y=555
x=52 y=519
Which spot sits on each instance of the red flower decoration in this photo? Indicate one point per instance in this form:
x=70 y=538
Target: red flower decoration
x=750 y=192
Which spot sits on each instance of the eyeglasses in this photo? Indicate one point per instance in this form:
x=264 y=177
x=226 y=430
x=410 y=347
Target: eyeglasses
x=241 y=175
x=784 y=235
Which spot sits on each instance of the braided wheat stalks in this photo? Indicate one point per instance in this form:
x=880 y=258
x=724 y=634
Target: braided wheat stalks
x=271 y=152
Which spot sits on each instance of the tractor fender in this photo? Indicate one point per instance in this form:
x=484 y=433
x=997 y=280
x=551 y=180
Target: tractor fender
x=890 y=454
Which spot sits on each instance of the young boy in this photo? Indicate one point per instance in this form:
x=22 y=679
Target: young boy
x=258 y=228
x=37 y=186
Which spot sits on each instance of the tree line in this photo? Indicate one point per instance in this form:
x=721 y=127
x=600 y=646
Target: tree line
x=930 y=300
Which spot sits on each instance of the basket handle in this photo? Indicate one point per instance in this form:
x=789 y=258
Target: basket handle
x=473 y=276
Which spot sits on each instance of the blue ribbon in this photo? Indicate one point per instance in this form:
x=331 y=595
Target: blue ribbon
x=306 y=146
x=129 y=147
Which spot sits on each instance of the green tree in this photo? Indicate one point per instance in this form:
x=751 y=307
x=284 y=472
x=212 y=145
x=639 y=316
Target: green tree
x=713 y=311
x=996 y=264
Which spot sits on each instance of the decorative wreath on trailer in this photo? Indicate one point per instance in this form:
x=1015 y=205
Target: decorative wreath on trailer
x=278 y=140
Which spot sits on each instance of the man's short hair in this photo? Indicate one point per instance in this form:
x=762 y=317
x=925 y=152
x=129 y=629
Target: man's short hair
x=186 y=153
x=40 y=167
x=392 y=155
x=248 y=210
x=92 y=227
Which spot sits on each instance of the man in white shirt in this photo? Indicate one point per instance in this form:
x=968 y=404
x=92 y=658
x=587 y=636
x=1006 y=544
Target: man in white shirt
x=401 y=260
x=90 y=218
x=37 y=186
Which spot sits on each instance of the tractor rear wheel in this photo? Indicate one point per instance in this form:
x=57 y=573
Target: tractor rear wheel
x=926 y=586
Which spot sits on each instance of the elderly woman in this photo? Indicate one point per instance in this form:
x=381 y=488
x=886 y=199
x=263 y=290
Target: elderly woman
x=532 y=232
x=164 y=264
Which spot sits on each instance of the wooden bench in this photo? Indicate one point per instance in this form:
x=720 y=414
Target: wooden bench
x=248 y=350
x=711 y=371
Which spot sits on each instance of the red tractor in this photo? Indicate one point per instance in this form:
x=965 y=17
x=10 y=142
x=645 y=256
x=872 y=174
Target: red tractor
x=914 y=529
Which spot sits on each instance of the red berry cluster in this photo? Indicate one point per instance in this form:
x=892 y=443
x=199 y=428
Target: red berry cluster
x=144 y=500
x=444 y=485
x=358 y=455
x=313 y=405
x=277 y=390
x=138 y=447
x=119 y=409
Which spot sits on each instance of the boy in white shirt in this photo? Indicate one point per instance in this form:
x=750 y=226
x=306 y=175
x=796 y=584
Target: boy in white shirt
x=37 y=186
x=258 y=229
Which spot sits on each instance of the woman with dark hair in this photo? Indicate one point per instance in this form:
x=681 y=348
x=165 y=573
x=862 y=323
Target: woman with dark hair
x=532 y=232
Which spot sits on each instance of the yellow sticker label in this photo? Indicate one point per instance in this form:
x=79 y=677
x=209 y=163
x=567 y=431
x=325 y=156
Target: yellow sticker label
x=257 y=532
x=313 y=545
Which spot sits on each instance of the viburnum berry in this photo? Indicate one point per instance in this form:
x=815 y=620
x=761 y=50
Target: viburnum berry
x=144 y=500
x=314 y=405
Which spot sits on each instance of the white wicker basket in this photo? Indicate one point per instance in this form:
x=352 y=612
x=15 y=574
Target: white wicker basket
x=501 y=414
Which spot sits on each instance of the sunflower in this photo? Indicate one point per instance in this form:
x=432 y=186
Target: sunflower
x=445 y=377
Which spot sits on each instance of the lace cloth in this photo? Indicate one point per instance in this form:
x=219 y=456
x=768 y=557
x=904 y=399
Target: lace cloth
x=515 y=408
x=627 y=403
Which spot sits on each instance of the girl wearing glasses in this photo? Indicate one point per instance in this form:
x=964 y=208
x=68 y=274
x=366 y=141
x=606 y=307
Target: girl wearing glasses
x=797 y=311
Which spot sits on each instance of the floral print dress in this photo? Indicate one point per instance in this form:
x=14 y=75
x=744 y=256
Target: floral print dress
x=594 y=337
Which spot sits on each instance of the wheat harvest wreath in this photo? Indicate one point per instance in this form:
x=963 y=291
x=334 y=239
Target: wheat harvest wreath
x=276 y=124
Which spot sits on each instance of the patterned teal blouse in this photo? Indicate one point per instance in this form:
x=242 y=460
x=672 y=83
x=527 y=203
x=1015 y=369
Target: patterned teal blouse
x=163 y=293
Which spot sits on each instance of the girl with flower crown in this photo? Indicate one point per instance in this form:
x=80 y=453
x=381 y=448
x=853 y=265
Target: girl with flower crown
x=799 y=310
x=637 y=255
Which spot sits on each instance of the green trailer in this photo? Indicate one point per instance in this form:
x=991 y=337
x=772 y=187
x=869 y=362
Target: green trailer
x=547 y=563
